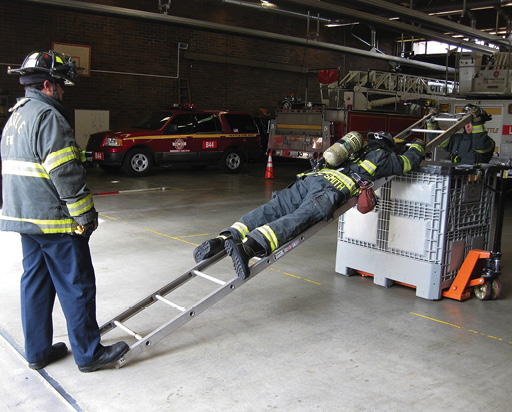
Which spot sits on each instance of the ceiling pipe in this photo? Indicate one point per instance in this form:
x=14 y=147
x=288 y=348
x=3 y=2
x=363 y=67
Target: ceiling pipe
x=439 y=22
x=394 y=25
x=226 y=29
x=440 y=7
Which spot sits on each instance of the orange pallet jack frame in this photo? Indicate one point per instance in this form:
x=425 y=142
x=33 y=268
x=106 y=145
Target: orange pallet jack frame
x=463 y=283
x=460 y=288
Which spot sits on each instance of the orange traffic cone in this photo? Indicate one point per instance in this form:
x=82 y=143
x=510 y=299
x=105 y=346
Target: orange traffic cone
x=269 y=173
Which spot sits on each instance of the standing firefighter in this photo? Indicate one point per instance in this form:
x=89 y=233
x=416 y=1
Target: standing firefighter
x=473 y=146
x=46 y=200
x=312 y=198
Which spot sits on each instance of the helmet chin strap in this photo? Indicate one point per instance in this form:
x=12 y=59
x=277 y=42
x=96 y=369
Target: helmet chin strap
x=55 y=92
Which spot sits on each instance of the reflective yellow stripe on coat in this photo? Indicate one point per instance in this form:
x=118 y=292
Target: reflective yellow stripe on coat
x=48 y=226
x=339 y=180
x=22 y=168
x=60 y=157
x=82 y=206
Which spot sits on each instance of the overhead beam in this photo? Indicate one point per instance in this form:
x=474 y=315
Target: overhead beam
x=223 y=28
x=435 y=21
x=392 y=24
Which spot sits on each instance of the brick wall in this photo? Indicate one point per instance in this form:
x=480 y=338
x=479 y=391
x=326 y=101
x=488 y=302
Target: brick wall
x=224 y=71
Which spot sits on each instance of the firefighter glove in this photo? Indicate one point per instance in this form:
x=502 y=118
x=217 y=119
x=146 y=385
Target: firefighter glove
x=433 y=111
x=475 y=111
x=419 y=141
x=87 y=229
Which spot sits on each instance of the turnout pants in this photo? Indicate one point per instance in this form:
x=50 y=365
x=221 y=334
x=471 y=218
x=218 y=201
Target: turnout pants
x=59 y=264
x=290 y=212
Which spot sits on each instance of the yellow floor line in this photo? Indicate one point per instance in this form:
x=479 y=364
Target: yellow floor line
x=108 y=217
x=172 y=237
x=295 y=276
x=459 y=327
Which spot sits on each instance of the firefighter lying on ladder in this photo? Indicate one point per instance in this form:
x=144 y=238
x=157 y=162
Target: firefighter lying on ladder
x=313 y=197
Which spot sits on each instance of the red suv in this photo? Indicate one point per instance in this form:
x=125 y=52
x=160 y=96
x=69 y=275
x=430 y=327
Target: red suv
x=178 y=136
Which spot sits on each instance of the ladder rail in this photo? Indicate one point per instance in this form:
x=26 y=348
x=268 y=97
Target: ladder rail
x=180 y=320
x=406 y=132
x=151 y=298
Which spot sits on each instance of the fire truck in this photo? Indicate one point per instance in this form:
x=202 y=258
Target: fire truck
x=365 y=102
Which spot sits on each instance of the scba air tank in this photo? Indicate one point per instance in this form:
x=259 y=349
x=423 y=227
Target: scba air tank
x=341 y=150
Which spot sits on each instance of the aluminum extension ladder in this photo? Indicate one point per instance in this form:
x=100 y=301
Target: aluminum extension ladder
x=185 y=315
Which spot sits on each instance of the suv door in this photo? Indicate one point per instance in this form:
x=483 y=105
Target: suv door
x=179 y=143
x=208 y=141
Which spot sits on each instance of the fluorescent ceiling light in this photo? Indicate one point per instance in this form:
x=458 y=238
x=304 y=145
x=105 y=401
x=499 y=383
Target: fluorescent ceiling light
x=266 y=3
x=439 y=13
x=339 y=24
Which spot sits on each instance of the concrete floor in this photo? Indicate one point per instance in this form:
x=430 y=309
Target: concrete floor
x=297 y=337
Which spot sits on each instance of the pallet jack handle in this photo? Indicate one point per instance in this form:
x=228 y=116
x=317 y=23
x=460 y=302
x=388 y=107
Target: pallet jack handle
x=494 y=269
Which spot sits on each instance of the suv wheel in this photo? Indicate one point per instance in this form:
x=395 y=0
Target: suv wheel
x=138 y=162
x=232 y=161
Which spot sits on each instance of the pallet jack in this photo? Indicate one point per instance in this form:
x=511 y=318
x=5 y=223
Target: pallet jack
x=481 y=269
x=224 y=288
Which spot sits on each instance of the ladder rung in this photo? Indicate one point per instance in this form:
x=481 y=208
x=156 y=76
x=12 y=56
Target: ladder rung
x=427 y=131
x=205 y=276
x=174 y=305
x=446 y=119
x=127 y=330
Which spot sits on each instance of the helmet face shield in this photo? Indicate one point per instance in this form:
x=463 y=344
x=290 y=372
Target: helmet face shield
x=39 y=66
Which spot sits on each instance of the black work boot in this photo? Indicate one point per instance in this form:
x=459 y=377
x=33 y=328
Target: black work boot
x=241 y=253
x=209 y=248
x=57 y=351
x=110 y=355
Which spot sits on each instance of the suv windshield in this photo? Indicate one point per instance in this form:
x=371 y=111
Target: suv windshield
x=154 y=121
x=241 y=123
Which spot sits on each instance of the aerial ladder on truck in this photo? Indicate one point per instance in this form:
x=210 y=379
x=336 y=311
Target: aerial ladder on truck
x=223 y=288
x=373 y=89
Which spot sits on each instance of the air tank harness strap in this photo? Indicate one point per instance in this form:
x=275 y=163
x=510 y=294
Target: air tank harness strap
x=339 y=180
